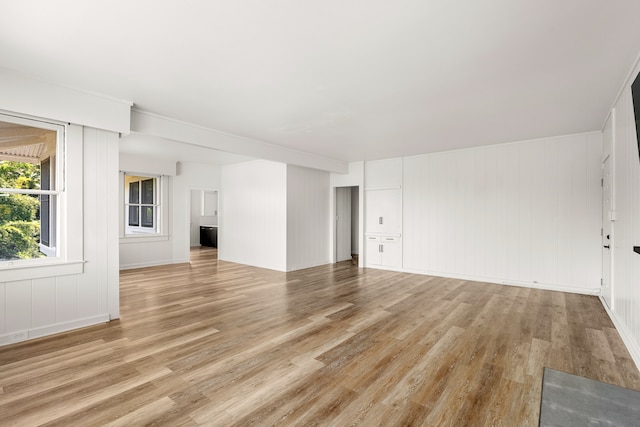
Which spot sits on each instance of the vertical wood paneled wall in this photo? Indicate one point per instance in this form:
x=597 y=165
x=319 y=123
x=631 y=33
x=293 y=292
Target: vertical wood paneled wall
x=626 y=263
x=307 y=218
x=36 y=307
x=524 y=213
x=274 y=215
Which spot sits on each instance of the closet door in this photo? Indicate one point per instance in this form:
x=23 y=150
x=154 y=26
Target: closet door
x=383 y=211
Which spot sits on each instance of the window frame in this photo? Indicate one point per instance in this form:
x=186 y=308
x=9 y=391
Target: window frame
x=140 y=230
x=56 y=253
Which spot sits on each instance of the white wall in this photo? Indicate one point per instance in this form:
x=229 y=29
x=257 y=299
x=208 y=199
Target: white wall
x=274 y=215
x=43 y=304
x=526 y=213
x=253 y=221
x=626 y=232
x=307 y=218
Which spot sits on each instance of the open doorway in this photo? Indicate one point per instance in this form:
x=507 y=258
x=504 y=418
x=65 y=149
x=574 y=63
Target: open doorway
x=203 y=228
x=346 y=215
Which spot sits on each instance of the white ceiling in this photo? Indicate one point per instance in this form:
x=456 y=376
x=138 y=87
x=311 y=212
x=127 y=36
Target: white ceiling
x=345 y=79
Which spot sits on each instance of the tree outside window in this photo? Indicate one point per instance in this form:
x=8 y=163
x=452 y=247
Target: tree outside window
x=19 y=213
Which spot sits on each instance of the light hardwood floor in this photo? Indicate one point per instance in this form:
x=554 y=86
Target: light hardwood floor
x=216 y=343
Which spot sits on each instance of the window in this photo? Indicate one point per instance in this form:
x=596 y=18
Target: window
x=142 y=204
x=30 y=187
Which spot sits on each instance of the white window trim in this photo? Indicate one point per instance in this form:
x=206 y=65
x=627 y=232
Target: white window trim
x=68 y=257
x=134 y=230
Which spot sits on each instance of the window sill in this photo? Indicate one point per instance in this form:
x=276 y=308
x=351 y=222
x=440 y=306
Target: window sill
x=141 y=238
x=12 y=271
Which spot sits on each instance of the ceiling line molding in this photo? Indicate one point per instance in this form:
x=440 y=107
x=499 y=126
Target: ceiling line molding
x=152 y=124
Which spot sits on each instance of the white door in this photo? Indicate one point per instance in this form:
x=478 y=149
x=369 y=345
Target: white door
x=391 y=253
x=607 y=233
x=343 y=223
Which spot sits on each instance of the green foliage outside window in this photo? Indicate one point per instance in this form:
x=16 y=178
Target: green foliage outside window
x=19 y=175
x=19 y=213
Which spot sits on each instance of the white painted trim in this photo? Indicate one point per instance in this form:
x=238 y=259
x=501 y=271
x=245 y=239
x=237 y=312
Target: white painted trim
x=355 y=178
x=152 y=124
x=494 y=280
x=627 y=338
x=57 y=328
x=155 y=263
x=129 y=239
x=30 y=271
x=380 y=234
x=392 y=187
x=26 y=191
x=308 y=265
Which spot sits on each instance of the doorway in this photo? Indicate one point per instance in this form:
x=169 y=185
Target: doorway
x=347 y=229
x=203 y=221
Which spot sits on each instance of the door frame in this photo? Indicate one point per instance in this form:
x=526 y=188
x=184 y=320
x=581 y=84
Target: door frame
x=607 y=235
x=339 y=219
x=332 y=226
x=187 y=224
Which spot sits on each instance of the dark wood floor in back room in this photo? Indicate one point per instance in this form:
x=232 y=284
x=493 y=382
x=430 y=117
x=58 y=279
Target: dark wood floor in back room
x=216 y=343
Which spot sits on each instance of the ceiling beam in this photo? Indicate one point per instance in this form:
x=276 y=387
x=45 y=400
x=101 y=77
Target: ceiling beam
x=151 y=124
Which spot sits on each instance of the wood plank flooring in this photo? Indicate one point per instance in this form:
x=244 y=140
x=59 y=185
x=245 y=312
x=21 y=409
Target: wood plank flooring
x=216 y=343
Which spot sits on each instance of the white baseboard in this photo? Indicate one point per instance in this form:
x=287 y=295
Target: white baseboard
x=28 y=334
x=627 y=337
x=498 y=281
x=307 y=265
x=150 y=264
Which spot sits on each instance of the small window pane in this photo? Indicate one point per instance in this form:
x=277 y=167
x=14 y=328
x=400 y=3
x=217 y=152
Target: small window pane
x=19 y=227
x=45 y=209
x=134 y=192
x=134 y=215
x=147 y=216
x=20 y=175
x=147 y=191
